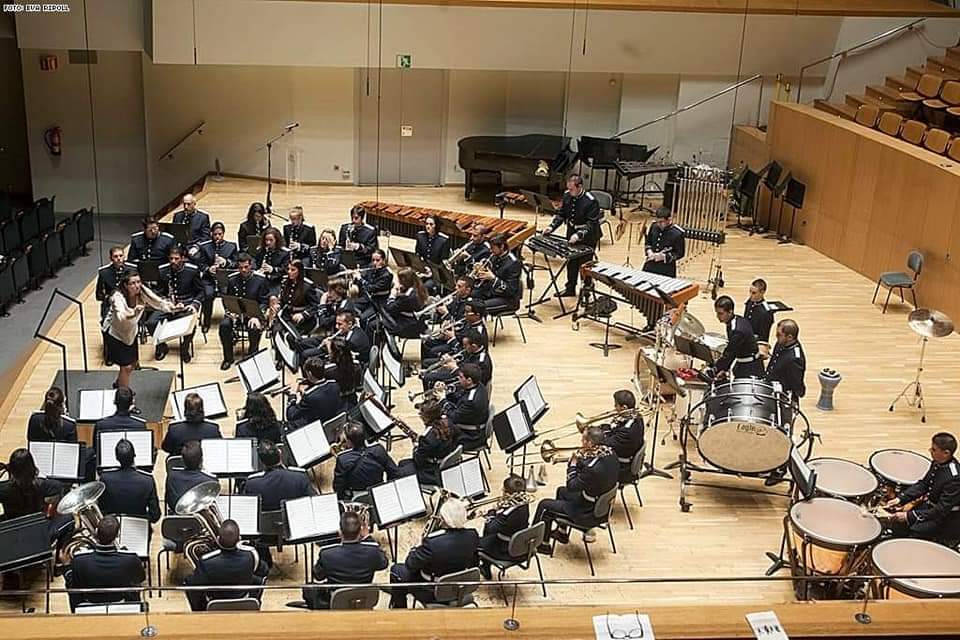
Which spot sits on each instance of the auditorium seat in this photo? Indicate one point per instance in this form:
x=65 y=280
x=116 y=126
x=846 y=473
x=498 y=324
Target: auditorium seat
x=953 y=151
x=912 y=131
x=943 y=67
x=949 y=96
x=21 y=274
x=928 y=87
x=46 y=217
x=904 y=83
x=10 y=240
x=936 y=140
x=8 y=291
x=85 y=230
x=70 y=239
x=867 y=115
x=890 y=123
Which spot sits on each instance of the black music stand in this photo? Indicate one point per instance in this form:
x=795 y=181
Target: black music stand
x=348 y=259
x=25 y=542
x=600 y=153
x=793 y=196
x=179 y=230
x=771 y=175
x=664 y=380
x=747 y=190
x=694 y=349
x=777 y=192
x=442 y=276
x=540 y=202
x=149 y=271
x=318 y=276
x=253 y=244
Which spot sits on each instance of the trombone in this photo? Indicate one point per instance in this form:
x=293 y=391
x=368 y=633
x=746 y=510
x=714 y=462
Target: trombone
x=581 y=422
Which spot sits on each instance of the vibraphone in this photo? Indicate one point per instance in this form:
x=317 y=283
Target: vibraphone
x=638 y=288
x=405 y=221
x=553 y=246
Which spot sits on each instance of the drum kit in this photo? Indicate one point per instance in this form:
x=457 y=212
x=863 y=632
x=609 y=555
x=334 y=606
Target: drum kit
x=926 y=324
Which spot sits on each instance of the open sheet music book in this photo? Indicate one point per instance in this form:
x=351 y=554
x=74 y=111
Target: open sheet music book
x=109 y=608
x=398 y=500
x=174 y=329
x=288 y=356
x=134 y=535
x=96 y=404
x=141 y=439
x=465 y=480
x=394 y=366
x=258 y=371
x=372 y=386
x=214 y=406
x=245 y=510
x=378 y=419
x=312 y=516
x=512 y=427
x=308 y=445
x=56 y=459
x=529 y=394
x=229 y=455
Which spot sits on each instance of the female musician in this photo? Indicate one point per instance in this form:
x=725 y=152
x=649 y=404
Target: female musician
x=334 y=300
x=296 y=301
x=52 y=424
x=272 y=257
x=25 y=492
x=255 y=224
x=374 y=285
x=511 y=514
x=127 y=305
x=326 y=255
x=437 y=442
x=259 y=420
x=342 y=369
x=408 y=296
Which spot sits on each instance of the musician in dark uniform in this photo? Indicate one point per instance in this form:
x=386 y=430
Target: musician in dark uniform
x=180 y=281
x=272 y=258
x=500 y=285
x=255 y=224
x=468 y=407
x=150 y=244
x=362 y=465
x=52 y=424
x=432 y=246
x=473 y=352
x=195 y=426
x=259 y=420
x=246 y=283
x=438 y=440
x=297 y=300
x=233 y=563
x=298 y=235
x=108 y=278
x=359 y=237
x=24 y=492
x=740 y=357
x=592 y=471
x=326 y=256
x=510 y=515
x=377 y=282
x=445 y=551
x=332 y=301
x=276 y=483
x=756 y=312
x=104 y=566
x=214 y=255
x=316 y=398
x=353 y=560
x=624 y=434
x=179 y=481
x=400 y=309
x=665 y=245
x=930 y=509
x=580 y=212
x=198 y=221
x=460 y=314
x=124 y=419
x=788 y=364
x=347 y=328
x=129 y=491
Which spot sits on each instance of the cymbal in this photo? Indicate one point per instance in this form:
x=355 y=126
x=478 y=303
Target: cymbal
x=929 y=323
x=689 y=325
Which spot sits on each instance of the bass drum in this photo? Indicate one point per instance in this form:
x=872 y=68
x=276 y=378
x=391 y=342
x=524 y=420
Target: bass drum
x=746 y=427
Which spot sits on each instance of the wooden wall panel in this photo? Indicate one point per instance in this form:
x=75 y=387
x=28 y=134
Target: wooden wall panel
x=872 y=198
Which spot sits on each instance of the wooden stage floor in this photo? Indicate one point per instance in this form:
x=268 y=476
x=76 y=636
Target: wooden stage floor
x=727 y=532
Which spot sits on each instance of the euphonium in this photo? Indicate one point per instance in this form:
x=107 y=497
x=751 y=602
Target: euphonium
x=82 y=503
x=201 y=503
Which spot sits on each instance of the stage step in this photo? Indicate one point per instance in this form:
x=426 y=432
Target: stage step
x=855 y=101
x=885 y=94
x=842 y=110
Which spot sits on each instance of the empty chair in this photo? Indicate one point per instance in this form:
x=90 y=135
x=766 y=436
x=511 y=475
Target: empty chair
x=29 y=221
x=447 y=594
x=928 y=87
x=912 y=131
x=355 y=598
x=867 y=115
x=21 y=274
x=45 y=215
x=953 y=151
x=10 y=239
x=70 y=239
x=605 y=200
x=936 y=140
x=899 y=280
x=8 y=292
x=85 y=229
x=234 y=604
x=890 y=123
x=53 y=247
x=949 y=96
x=175 y=531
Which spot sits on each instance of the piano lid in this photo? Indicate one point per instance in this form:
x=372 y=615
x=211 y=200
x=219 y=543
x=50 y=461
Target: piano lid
x=531 y=146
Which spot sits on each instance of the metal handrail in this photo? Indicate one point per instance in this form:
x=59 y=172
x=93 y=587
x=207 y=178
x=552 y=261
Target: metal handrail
x=880 y=36
x=197 y=130
x=676 y=112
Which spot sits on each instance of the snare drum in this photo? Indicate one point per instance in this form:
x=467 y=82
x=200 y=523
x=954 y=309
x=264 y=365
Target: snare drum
x=746 y=427
x=908 y=556
x=829 y=535
x=843 y=479
x=898 y=468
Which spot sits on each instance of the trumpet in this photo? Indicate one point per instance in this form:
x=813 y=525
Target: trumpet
x=456 y=256
x=437 y=392
x=359 y=271
x=581 y=422
x=480 y=267
x=442 y=302
x=436 y=335
x=456 y=357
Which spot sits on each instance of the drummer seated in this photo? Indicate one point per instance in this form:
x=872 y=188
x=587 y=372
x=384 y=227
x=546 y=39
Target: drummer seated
x=930 y=508
x=104 y=566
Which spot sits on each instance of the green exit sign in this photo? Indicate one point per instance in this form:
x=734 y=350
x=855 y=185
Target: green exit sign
x=404 y=60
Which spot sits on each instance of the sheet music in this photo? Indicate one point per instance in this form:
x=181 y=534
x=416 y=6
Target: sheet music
x=42 y=453
x=313 y=516
x=387 y=501
x=214 y=455
x=259 y=371
x=109 y=609
x=376 y=417
x=326 y=513
x=173 y=329
x=135 y=535
x=240 y=455
x=394 y=366
x=211 y=394
x=141 y=439
x=66 y=460
x=371 y=385
x=300 y=519
x=518 y=422
x=473 y=478
x=96 y=404
x=452 y=480
x=308 y=443
x=411 y=498
x=530 y=395
x=288 y=355
x=245 y=510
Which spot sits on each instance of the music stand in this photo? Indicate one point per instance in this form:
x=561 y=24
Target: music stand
x=777 y=192
x=447 y=226
x=793 y=196
x=253 y=244
x=663 y=380
x=443 y=277
x=149 y=270
x=540 y=202
x=771 y=175
x=179 y=230
x=399 y=257
x=179 y=332
x=348 y=259
x=514 y=430
x=25 y=542
x=694 y=349
x=319 y=277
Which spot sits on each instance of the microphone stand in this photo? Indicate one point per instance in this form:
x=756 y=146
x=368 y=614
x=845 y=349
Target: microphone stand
x=269 y=147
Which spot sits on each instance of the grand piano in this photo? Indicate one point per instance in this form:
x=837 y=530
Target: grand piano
x=516 y=154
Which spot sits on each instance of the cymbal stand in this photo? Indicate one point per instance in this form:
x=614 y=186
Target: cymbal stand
x=650 y=468
x=627 y=262
x=914 y=399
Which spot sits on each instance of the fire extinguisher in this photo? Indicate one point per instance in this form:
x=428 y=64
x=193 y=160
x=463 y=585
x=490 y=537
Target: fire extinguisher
x=52 y=138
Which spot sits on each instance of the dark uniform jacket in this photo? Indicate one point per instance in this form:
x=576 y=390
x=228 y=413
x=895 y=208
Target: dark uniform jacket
x=483 y=360
x=269 y=432
x=117 y=422
x=104 y=566
x=499 y=528
x=507 y=269
x=759 y=317
x=470 y=407
x=359 y=469
x=625 y=437
x=402 y=310
x=64 y=431
x=278 y=484
x=787 y=365
x=443 y=551
x=199 y=223
x=276 y=258
x=209 y=250
x=181 y=285
x=377 y=283
x=240 y=566
x=320 y=401
x=365 y=235
x=254 y=287
x=142 y=248
x=17 y=503
x=670 y=241
x=582 y=215
x=249 y=229
x=435 y=248
x=304 y=233
x=937 y=517
x=179 y=481
x=130 y=492
x=345 y=563
x=326 y=261
x=741 y=352
x=108 y=279
x=587 y=480
x=179 y=433
x=430 y=450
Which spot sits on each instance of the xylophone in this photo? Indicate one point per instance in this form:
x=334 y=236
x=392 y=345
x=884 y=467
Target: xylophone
x=555 y=246
x=637 y=287
x=405 y=221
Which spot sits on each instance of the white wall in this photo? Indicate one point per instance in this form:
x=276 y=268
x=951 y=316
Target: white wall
x=112 y=25
x=476 y=107
x=646 y=97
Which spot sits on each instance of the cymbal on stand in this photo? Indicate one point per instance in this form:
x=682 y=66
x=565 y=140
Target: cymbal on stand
x=929 y=323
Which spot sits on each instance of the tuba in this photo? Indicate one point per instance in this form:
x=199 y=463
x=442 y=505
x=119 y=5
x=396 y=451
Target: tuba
x=201 y=503
x=82 y=503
